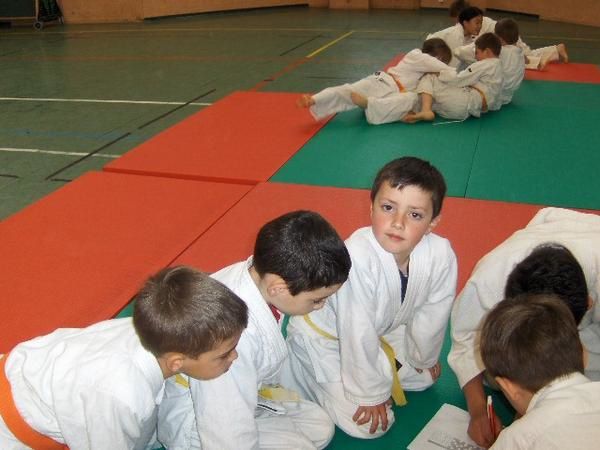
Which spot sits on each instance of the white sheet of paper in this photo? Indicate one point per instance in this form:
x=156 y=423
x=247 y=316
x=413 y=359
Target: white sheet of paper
x=447 y=429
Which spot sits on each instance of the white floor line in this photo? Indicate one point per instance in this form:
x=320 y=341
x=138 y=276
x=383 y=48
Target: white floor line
x=55 y=152
x=91 y=100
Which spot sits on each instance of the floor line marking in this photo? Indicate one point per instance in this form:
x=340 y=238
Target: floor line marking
x=55 y=152
x=326 y=46
x=92 y=100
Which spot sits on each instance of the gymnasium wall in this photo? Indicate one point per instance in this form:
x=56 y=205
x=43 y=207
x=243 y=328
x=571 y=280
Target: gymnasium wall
x=582 y=12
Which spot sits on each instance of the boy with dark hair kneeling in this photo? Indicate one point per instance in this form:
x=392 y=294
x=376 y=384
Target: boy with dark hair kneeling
x=383 y=331
x=299 y=260
x=98 y=387
x=530 y=345
x=471 y=92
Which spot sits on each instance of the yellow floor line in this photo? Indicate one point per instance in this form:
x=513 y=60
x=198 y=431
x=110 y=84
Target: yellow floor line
x=319 y=50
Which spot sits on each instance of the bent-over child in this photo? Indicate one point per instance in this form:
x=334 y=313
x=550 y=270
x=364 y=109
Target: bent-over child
x=386 y=96
x=557 y=252
x=471 y=92
x=99 y=387
x=382 y=332
x=299 y=260
x=531 y=348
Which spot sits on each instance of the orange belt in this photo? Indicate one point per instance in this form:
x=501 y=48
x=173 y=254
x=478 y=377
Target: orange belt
x=400 y=86
x=484 y=106
x=15 y=423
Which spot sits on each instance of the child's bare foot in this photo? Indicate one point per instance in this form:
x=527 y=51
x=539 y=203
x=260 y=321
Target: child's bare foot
x=562 y=53
x=359 y=100
x=543 y=63
x=305 y=101
x=413 y=117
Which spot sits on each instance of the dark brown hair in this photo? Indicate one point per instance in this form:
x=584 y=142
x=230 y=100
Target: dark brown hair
x=412 y=171
x=491 y=41
x=508 y=30
x=531 y=340
x=183 y=310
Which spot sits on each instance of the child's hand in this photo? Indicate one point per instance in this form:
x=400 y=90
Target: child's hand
x=374 y=414
x=481 y=432
x=435 y=371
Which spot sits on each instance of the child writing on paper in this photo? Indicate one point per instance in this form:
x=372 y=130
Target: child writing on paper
x=298 y=261
x=384 y=329
x=557 y=252
x=385 y=96
x=530 y=346
x=471 y=92
x=99 y=387
x=535 y=59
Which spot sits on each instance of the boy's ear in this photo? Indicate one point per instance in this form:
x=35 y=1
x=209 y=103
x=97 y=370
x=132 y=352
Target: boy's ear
x=174 y=361
x=276 y=286
x=510 y=389
x=434 y=222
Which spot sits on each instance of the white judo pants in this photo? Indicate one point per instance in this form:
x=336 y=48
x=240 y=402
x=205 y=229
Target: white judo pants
x=451 y=102
x=326 y=389
x=297 y=425
x=385 y=101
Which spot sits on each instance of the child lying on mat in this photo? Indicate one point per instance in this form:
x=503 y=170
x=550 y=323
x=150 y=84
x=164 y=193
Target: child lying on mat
x=531 y=348
x=383 y=331
x=299 y=260
x=471 y=92
x=385 y=96
x=535 y=59
x=98 y=387
x=559 y=253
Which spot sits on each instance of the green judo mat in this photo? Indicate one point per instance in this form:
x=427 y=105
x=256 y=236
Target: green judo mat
x=541 y=149
x=347 y=152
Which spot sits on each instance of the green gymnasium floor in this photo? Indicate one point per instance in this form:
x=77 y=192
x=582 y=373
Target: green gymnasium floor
x=73 y=98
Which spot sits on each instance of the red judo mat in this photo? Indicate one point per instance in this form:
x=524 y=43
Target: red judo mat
x=474 y=227
x=570 y=72
x=78 y=255
x=243 y=138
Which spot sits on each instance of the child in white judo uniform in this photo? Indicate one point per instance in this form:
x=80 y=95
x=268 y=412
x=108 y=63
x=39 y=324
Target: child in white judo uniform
x=384 y=329
x=531 y=348
x=299 y=260
x=386 y=96
x=512 y=59
x=99 y=387
x=558 y=252
x=535 y=59
x=464 y=32
x=471 y=92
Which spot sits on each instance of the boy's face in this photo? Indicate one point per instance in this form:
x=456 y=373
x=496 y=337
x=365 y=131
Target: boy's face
x=400 y=218
x=212 y=363
x=473 y=27
x=303 y=302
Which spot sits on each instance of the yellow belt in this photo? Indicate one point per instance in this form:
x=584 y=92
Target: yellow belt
x=397 y=391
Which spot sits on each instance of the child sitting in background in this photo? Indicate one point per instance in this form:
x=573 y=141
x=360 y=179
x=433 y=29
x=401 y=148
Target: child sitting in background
x=535 y=59
x=385 y=96
x=98 y=387
x=530 y=346
x=299 y=260
x=471 y=92
x=464 y=32
x=384 y=329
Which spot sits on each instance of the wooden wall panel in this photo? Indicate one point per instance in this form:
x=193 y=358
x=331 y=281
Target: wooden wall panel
x=99 y=11
x=159 y=8
x=394 y=4
x=349 y=4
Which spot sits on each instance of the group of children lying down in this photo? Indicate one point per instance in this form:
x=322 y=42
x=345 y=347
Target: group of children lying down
x=428 y=81
x=203 y=362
